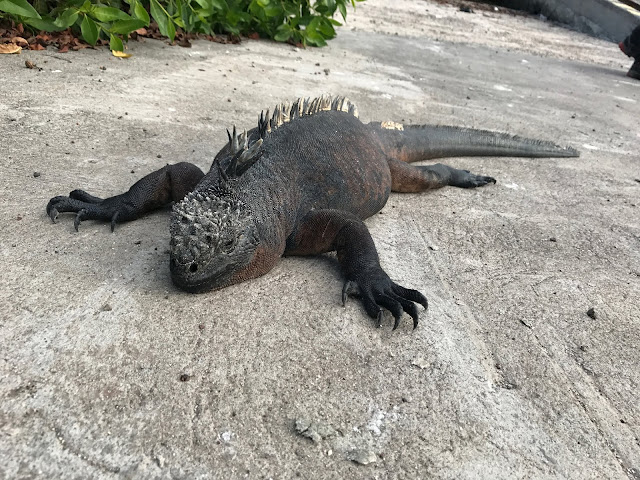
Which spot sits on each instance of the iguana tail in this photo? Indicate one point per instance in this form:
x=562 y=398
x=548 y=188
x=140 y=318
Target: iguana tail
x=412 y=143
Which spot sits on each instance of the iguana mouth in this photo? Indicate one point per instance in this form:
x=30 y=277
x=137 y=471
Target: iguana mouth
x=193 y=284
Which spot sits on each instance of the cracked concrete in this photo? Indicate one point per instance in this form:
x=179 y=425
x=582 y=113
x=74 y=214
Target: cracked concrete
x=107 y=371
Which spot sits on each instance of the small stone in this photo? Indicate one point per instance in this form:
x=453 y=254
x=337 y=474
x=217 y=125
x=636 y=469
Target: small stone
x=363 y=457
x=159 y=156
x=420 y=363
x=327 y=71
x=184 y=377
x=591 y=313
x=314 y=430
x=36 y=174
x=106 y=308
x=435 y=248
x=553 y=239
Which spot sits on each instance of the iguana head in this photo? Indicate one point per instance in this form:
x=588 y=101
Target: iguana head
x=212 y=238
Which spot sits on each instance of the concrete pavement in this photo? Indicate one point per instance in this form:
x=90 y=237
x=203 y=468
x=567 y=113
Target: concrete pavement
x=107 y=371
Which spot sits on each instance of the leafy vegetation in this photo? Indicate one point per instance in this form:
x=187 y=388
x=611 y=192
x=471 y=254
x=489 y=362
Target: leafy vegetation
x=309 y=22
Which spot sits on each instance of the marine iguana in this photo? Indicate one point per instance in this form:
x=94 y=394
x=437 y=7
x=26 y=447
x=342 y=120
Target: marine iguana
x=300 y=183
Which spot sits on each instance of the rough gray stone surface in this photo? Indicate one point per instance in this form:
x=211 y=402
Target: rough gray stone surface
x=107 y=371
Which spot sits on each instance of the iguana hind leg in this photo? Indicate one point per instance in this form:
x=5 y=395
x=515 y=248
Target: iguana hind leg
x=328 y=230
x=170 y=183
x=409 y=178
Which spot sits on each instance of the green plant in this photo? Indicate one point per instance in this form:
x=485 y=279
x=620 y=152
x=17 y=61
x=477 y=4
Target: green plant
x=298 y=21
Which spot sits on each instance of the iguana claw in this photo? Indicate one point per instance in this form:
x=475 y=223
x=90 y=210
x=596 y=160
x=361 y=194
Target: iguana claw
x=114 y=219
x=53 y=215
x=349 y=288
x=79 y=217
x=379 y=292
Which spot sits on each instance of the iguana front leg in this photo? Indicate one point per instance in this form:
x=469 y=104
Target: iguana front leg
x=328 y=230
x=170 y=183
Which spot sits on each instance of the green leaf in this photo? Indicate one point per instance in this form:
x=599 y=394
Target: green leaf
x=343 y=10
x=116 y=44
x=19 y=7
x=164 y=22
x=86 y=7
x=68 y=18
x=171 y=30
x=141 y=13
x=325 y=28
x=273 y=11
x=158 y=15
x=124 y=27
x=45 y=23
x=109 y=14
x=283 y=33
x=186 y=16
x=207 y=5
x=89 y=30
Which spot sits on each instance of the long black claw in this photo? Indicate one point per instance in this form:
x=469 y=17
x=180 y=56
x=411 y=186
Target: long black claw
x=396 y=322
x=79 y=217
x=425 y=303
x=413 y=295
x=53 y=215
x=488 y=180
x=379 y=319
x=114 y=219
x=349 y=288
x=412 y=310
x=345 y=288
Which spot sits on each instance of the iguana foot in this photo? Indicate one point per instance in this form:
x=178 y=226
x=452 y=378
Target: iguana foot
x=159 y=188
x=85 y=206
x=377 y=292
x=466 y=179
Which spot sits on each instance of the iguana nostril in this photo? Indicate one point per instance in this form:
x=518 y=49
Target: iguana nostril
x=193 y=268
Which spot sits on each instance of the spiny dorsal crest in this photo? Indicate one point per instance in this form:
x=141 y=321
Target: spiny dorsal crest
x=287 y=112
x=245 y=155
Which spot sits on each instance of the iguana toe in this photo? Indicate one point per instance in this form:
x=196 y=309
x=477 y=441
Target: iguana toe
x=53 y=214
x=350 y=288
x=81 y=215
x=378 y=292
x=114 y=219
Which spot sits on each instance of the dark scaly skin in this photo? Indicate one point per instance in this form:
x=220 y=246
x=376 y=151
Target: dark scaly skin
x=317 y=178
